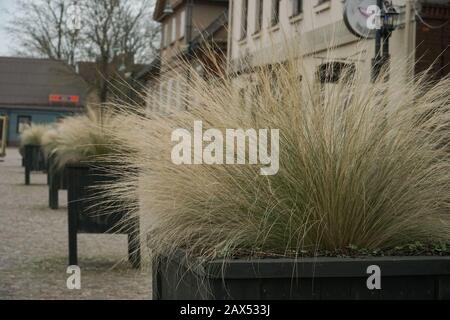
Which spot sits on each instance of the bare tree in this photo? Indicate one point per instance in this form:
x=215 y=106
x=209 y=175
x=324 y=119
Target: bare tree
x=109 y=29
x=42 y=28
x=115 y=27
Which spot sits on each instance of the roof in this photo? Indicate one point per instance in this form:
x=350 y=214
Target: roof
x=208 y=33
x=30 y=82
x=159 y=15
x=90 y=71
x=148 y=70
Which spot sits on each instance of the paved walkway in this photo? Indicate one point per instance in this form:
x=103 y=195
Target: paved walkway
x=33 y=247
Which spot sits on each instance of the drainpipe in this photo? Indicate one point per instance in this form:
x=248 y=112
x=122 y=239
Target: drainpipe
x=230 y=34
x=377 y=61
x=189 y=18
x=189 y=13
x=408 y=38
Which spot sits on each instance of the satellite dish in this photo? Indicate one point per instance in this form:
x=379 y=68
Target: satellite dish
x=361 y=17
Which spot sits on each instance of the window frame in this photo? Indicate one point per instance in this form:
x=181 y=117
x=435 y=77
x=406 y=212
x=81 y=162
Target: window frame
x=259 y=17
x=297 y=8
x=173 y=30
x=165 y=34
x=182 y=24
x=275 y=13
x=322 y=5
x=335 y=71
x=18 y=122
x=244 y=19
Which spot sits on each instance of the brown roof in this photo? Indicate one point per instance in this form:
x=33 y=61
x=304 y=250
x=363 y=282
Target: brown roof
x=158 y=14
x=90 y=71
x=148 y=71
x=30 y=81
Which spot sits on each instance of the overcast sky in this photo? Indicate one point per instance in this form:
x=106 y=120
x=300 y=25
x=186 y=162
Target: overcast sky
x=6 y=42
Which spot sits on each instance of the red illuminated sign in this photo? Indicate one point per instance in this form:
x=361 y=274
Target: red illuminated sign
x=63 y=98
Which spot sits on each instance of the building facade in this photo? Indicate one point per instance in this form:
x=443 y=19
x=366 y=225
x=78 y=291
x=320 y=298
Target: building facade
x=37 y=91
x=186 y=25
x=263 y=32
x=146 y=81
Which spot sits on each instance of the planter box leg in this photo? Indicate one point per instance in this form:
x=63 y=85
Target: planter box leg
x=73 y=256
x=27 y=175
x=53 y=197
x=156 y=280
x=48 y=173
x=53 y=190
x=134 y=245
x=28 y=157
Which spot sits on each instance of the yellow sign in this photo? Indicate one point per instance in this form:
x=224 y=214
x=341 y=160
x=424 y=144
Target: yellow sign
x=3 y=125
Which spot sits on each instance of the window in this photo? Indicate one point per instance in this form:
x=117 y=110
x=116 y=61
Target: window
x=165 y=39
x=162 y=96
x=169 y=95
x=175 y=94
x=242 y=100
x=275 y=12
x=297 y=7
x=179 y=94
x=259 y=15
x=2 y=126
x=182 y=23
x=244 y=14
x=332 y=72
x=322 y=5
x=174 y=30
x=22 y=123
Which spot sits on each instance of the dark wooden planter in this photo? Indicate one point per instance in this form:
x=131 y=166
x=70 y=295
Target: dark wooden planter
x=404 y=278
x=89 y=214
x=57 y=180
x=34 y=160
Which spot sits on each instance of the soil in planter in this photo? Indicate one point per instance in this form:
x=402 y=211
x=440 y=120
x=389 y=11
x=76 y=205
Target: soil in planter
x=414 y=249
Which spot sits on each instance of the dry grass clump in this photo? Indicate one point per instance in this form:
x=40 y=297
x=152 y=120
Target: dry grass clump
x=32 y=134
x=82 y=138
x=360 y=164
x=48 y=141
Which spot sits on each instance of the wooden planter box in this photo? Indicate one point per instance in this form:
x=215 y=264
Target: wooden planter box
x=306 y=278
x=57 y=180
x=33 y=160
x=89 y=214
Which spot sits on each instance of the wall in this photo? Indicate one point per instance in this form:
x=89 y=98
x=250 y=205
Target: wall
x=204 y=14
x=433 y=41
x=173 y=75
x=310 y=35
x=13 y=138
x=170 y=46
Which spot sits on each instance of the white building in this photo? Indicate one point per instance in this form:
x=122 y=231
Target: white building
x=185 y=25
x=267 y=31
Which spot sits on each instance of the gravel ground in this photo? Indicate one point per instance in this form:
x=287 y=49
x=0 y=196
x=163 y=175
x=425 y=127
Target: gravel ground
x=33 y=247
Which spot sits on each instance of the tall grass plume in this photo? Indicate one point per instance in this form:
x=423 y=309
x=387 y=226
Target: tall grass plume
x=361 y=164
